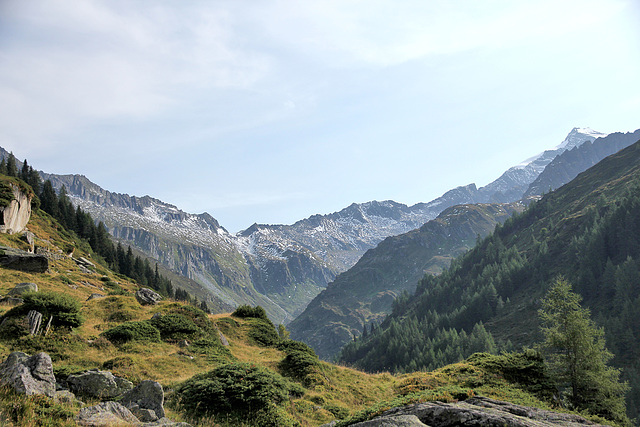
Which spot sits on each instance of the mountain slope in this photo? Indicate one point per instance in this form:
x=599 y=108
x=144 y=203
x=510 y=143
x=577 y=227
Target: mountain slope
x=570 y=163
x=364 y=293
x=587 y=230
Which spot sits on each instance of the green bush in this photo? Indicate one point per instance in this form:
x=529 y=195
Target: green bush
x=264 y=333
x=175 y=327
x=298 y=365
x=236 y=390
x=289 y=346
x=527 y=369
x=245 y=311
x=132 y=331
x=213 y=350
x=64 y=308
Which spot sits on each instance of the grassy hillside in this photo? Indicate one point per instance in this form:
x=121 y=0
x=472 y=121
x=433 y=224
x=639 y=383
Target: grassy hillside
x=309 y=392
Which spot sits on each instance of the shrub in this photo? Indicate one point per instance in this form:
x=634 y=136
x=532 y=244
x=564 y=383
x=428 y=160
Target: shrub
x=299 y=362
x=289 y=346
x=527 y=369
x=236 y=390
x=64 y=308
x=264 y=333
x=245 y=311
x=175 y=327
x=132 y=331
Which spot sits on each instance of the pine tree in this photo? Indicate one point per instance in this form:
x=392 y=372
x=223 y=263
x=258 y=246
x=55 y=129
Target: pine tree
x=24 y=172
x=3 y=167
x=12 y=169
x=575 y=352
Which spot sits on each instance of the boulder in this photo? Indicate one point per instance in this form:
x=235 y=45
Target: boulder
x=100 y=384
x=106 y=414
x=30 y=238
x=11 y=301
x=482 y=411
x=146 y=296
x=16 y=259
x=29 y=374
x=15 y=215
x=146 y=401
x=95 y=296
x=392 y=421
x=22 y=288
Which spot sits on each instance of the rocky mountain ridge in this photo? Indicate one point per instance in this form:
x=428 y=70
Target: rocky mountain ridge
x=281 y=267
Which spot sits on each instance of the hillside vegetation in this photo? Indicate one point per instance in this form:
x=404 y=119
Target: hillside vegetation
x=259 y=378
x=588 y=231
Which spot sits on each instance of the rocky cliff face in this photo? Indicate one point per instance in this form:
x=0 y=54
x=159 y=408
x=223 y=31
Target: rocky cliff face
x=15 y=208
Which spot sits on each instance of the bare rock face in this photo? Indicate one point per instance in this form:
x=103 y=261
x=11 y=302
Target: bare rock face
x=15 y=216
x=29 y=374
x=146 y=401
x=23 y=261
x=482 y=411
x=393 y=421
x=147 y=296
x=106 y=414
x=100 y=384
x=22 y=288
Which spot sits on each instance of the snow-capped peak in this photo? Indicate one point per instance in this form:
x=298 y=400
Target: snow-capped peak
x=578 y=136
x=575 y=138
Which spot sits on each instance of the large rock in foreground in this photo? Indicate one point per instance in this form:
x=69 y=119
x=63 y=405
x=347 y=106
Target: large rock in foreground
x=106 y=414
x=29 y=374
x=23 y=261
x=15 y=208
x=478 y=412
x=100 y=384
x=146 y=401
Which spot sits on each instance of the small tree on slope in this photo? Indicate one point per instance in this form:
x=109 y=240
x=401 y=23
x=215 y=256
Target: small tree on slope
x=576 y=355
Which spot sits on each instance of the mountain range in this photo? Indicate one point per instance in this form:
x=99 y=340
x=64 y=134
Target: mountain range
x=280 y=267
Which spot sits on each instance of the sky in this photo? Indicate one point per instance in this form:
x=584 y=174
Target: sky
x=270 y=111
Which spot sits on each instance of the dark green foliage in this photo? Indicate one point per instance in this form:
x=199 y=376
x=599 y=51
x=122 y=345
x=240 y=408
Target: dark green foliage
x=527 y=369
x=235 y=390
x=132 y=331
x=12 y=169
x=64 y=308
x=213 y=349
x=290 y=346
x=575 y=350
x=587 y=230
x=245 y=311
x=263 y=332
x=6 y=194
x=175 y=327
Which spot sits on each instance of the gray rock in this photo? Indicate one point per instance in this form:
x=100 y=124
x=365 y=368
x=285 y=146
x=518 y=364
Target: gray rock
x=16 y=259
x=106 y=414
x=29 y=374
x=15 y=216
x=482 y=411
x=30 y=238
x=166 y=422
x=146 y=396
x=100 y=384
x=22 y=288
x=392 y=421
x=146 y=296
x=85 y=262
x=95 y=296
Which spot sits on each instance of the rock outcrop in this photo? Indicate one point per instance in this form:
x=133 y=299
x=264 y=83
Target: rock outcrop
x=15 y=215
x=100 y=384
x=29 y=374
x=106 y=414
x=22 y=288
x=146 y=296
x=476 y=412
x=24 y=261
x=146 y=401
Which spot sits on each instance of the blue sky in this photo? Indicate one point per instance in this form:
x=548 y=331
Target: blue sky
x=270 y=111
